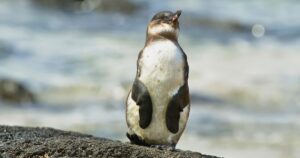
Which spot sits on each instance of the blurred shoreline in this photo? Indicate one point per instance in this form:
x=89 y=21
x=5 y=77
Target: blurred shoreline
x=79 y=65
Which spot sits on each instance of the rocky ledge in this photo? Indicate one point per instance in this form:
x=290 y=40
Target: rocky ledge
x=48 y=142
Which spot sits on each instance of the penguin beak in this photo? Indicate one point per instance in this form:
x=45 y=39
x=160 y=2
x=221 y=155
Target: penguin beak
x=176 y=16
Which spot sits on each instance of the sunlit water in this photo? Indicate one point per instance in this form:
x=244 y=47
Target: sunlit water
x=244 y=79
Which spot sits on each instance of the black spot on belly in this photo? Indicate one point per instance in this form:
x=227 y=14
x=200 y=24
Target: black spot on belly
x=142 y=98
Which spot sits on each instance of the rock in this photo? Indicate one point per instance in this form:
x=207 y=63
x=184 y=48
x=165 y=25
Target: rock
x=63 y=5
x=223 y=25
x=47 y=142
x=15 y=92
x=5 y=50
x=205 y=98
x=120 y=6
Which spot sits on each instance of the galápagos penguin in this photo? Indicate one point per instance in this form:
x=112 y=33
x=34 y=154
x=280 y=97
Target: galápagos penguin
x=158 y=105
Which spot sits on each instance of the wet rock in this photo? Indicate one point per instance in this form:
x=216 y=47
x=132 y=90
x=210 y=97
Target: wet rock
x=63 y=5
x=204 y=98
x=47 y=142
x=223 y=25
x=5 y=50
x=119 y=6
x=15 y=92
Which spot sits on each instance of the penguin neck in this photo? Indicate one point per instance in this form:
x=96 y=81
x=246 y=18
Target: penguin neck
x=164 y=36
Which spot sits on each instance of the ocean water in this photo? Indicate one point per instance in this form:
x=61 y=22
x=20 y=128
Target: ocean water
x=244 y=59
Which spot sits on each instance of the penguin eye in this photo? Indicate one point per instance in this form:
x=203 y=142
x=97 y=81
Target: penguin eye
x=165 y=18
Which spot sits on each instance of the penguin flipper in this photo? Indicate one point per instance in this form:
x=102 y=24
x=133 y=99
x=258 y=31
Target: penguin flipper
x=175 y=106
x=142 y=98
x=134 y=139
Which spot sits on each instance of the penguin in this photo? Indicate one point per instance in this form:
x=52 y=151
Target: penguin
x=158 y=104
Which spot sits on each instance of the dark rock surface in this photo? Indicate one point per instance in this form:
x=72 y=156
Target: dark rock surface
x=30 y=142
x=5 y=50
x=222 y=25
x=119 y=6
x=15 y=92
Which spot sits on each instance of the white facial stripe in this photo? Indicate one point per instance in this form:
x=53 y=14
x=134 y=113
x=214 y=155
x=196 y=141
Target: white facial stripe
x=157 y=29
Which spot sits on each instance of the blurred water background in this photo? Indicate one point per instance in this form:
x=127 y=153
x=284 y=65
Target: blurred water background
x=78 y=59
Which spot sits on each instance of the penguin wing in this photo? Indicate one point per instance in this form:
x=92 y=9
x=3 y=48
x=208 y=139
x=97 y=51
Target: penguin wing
x=186 y=65
x=142 y=98
x=179 y=101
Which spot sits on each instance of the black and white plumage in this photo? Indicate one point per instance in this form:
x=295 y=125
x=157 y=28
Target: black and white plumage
x=158 y=104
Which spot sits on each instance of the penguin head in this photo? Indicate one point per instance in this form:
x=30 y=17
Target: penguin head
x=165 y=23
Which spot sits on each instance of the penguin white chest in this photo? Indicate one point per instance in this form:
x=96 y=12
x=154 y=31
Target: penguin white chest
x=162 y=72
x=162 y=67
